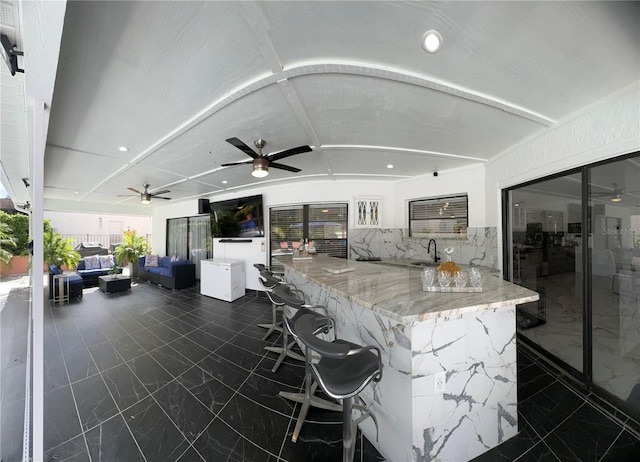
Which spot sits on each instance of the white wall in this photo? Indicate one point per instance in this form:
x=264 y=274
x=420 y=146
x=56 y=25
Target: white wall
x=295 y=193
x=466 y=180
x=97 y=223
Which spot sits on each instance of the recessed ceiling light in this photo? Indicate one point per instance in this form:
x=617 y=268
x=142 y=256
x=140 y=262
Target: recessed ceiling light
x=224 y=181
x=389 y=165
x=75 y=192
x=517 y=205
x=432 y=41
x=123 y=149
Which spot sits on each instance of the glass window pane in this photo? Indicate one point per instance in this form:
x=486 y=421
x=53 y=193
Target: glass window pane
x=324 y=224
x=545 y=255
x=439 y=216
x=177 y=237
x=614 y=205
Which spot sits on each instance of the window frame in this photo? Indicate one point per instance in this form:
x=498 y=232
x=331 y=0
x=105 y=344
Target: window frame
x=462 y=224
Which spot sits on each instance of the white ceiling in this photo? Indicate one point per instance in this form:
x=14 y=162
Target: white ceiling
x=173 y=80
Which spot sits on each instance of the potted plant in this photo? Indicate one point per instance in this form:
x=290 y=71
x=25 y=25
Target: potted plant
x=132 y=248
x=114 y=271
x=58 y=251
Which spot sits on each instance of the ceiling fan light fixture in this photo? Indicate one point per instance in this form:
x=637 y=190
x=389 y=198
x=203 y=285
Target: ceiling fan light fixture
x=616 y=198
x=145 y=199
x=260 y=167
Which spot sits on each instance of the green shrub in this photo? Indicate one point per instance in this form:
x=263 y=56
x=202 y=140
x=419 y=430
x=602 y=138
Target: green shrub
x=19 y=225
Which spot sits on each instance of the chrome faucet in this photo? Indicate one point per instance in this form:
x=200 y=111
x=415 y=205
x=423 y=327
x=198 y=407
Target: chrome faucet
x=435 y=250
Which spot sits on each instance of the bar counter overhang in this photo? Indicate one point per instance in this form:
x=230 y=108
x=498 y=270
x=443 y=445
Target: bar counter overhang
x=471 y=337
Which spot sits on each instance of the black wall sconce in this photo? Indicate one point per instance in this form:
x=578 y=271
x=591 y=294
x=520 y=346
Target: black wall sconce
x=11 y=55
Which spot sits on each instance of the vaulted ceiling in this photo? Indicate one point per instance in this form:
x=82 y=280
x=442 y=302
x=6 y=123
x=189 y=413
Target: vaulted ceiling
x=172 y=81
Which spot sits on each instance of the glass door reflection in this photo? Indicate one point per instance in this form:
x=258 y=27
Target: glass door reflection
x=614 y=204
x=546 y=235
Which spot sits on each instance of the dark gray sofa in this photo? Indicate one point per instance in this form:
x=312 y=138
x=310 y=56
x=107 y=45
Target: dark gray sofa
x=174 y=275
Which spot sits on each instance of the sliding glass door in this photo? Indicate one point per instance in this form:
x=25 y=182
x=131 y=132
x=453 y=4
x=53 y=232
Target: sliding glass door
x=545 y=247
x=189 y=238
x=614 y=201
x=575 y=238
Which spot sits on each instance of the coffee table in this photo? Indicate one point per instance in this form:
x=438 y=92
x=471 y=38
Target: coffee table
x=110 y=284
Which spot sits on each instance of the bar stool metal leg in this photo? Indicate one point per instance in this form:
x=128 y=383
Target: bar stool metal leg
x=308 y=398
x=275 y=326
x=284 y=351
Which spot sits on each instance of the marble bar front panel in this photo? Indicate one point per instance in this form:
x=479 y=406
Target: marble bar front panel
x=475 y=349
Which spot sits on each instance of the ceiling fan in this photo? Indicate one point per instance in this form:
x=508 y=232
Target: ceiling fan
x=616 y=194
x=262 y=162
x=145 y=196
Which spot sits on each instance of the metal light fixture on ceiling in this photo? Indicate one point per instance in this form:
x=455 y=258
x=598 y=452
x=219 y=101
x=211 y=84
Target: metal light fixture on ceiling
x=145 y=198
x=616 y=198
x=260 y=167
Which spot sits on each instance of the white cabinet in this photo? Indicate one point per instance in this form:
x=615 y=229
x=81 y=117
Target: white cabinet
x=222 y=278
x=250 y=251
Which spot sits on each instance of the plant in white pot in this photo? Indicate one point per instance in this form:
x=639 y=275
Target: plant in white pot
x=132 y=248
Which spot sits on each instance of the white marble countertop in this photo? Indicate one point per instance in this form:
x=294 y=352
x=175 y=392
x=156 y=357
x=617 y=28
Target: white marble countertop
x=396 y=291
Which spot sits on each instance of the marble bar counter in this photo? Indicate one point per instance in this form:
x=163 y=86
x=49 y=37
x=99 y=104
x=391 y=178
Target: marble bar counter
x=467 y=340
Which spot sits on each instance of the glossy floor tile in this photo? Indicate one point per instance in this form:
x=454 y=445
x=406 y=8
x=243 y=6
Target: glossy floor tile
x=155 y=375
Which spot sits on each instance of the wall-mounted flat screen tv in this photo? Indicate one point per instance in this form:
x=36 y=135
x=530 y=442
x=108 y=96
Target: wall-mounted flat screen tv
x=241 y=217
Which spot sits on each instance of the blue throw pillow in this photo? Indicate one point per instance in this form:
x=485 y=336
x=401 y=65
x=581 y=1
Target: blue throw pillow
x=54 y=269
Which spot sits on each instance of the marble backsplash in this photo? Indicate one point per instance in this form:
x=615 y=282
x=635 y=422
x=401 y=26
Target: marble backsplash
x=478 y=248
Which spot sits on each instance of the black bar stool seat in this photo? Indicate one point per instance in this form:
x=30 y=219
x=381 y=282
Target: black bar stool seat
x=275 y=295
x=343 y=371
x=268 y=281
x=308 y=398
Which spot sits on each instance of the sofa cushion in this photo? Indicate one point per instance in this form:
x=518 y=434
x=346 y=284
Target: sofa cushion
x=75 y=279
x=97 y=271
x=151 y=261
x=164 y=261
x=80 y=265
x=54 y=269
x=106 y=261
x=160 y=270
x=91 y=263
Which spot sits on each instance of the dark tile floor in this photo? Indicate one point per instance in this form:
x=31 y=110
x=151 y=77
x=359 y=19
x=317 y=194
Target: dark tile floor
x=560 y=422
x=154 y=375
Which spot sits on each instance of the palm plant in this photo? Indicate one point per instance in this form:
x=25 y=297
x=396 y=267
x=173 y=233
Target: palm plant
x=58 y=251
x=7 y=241
x=132 y=247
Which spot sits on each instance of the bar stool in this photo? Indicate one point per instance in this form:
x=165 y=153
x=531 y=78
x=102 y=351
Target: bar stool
x=325 y=323
x=343 y=371
x=268 y=281
x=286 y=348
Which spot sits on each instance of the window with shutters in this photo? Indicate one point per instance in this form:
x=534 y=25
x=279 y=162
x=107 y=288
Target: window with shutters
x=439 y=216
x=324 y=224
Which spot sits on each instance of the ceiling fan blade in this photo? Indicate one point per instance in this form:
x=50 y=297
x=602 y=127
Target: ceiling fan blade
x=284 y=167
x=289 y=152
x=126 y=195
x=164 y=191
x=135 y=190
x=165 y=198
x=244 y=162
x=243 y=147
